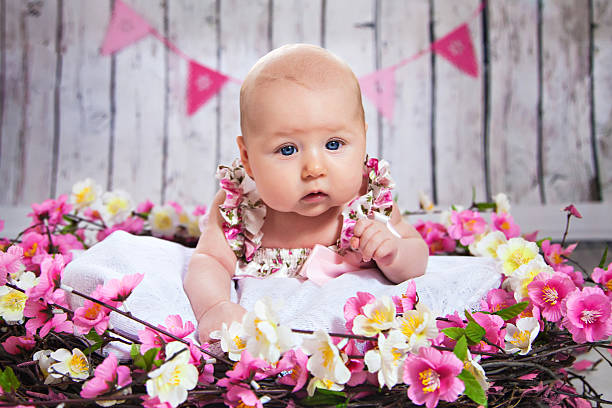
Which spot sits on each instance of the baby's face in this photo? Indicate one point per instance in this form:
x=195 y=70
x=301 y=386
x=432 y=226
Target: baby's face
x=305 y=148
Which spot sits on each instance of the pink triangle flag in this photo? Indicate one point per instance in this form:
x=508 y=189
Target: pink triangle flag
x=379 y=87
x=202 y=84
x=457 y=47
x=126 y=27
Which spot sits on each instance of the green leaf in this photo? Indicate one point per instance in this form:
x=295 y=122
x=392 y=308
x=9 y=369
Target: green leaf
x=468 y=316
x=485 y=206
x=460 y=349
x=93 y=336
x=512 y=311
x=135 y=350
x=149 y=357
x=604 y=257
x=473 y=390
x=325 y=397
x=474 y=332
x=8 y=380
x=539 y=241
x=454 y=332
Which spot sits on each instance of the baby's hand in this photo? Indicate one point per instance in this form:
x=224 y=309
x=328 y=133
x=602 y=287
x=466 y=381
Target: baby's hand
x=222 y=312
x=374 y=240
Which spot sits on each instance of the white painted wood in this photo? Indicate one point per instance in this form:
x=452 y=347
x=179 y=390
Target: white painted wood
x=139 y=120
x=459 y=111
x=602 y=77
x=403 y=32
x=244 y=39
x=349 y=26
x=15 y=220
x=567 y=152
x=85 y=95
x=513 y=87
x=191 y=139
x=296 y=21
x=28 y=118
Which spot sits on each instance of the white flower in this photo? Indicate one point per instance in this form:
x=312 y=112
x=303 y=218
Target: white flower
x=171 y=381
x=516 y=252
x=266 y=339
x=473 y=366
x=325 y=361
x=191 y=223
x=425 y=202
x=324 y=384
x=489 y=243
x=115 y=207
x=524 y=275
x=377 y=316
x=502 y=204
x=12 y=302
x=44 y=362
x=418 y=327
x=85 y=193
x=232 y=340
x=388 y=359
x=73 y=365
x=473 y=246
x=163 y=220
x=520 y=337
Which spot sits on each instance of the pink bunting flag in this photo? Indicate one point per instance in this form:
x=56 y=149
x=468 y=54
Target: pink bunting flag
x=126 y=27
x=202 y=84
x=457 y=47
x=379 y=87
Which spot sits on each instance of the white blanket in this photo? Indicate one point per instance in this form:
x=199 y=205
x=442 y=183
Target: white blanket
x=451 y=283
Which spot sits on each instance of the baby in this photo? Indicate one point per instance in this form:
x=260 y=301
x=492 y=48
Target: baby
x=303 y=148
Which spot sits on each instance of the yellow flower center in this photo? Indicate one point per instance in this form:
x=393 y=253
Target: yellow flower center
x=162 y=221
x=556 y=258
x=175 y=377
x=469 y=225
x=93 y=311
x=550 y=295
x=328 y=355
x=32 y=251
x=13 y=301
x=84 y=196
x=115 y=205
x=396 y=353
x=430 y=380
x=410 y=324
x=608 y=285
x=378 y=317
x=505 y=225
x=78 y=364
x=243 y=405
x=590 y=316
x=519 y=257
x=240 y=344
x=520 y=337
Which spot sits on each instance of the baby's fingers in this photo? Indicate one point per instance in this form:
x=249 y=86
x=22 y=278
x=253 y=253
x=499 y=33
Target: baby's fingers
x=385 y=253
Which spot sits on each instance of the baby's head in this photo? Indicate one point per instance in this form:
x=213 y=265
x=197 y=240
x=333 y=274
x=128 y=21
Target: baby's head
x=303 y=129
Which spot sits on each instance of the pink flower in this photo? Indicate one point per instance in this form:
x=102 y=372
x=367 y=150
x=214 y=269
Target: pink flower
x=107 y=376
x=436 y=237
x=573 y=211
x=200 y=210
x=232 y=233
x=177 y=207
x=65 y=244
x=43 y=317
x=149 y=402
x=604 y=278
x=292 y=366
x=151 y=338
x=505 y=223
x=548 y=292
x=233 y=193
x=354 y=307
x=118 y=291
x=91 y=316
x=144 y=207
x=348 y=227
x=237 y=391
x=48 y=288
x=17 y=345
x=554 y=253
x=34 y=248
x=384 y=199
x=496 y=300
x=532 y=236
x=174 y=325
x=52 y=210
x=432 y=376
x=587 y=314
x=466 y=225
x=493 y=330
x=10 y=262
x=407 y=300
x=372 y=164
x=453 y=321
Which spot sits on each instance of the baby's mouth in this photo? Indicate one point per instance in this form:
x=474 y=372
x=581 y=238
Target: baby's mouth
x=314 y=196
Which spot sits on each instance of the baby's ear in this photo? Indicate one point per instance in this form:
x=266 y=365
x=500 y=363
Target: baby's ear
x=244 y=156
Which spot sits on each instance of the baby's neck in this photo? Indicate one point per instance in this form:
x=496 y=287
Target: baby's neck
x=292 y=230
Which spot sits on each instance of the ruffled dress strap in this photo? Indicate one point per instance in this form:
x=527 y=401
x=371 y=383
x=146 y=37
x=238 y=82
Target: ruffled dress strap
x=243 y=211
x=378 y=199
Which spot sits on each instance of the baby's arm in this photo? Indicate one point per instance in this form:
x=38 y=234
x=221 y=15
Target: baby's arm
x=209 y=277
x=398 y=258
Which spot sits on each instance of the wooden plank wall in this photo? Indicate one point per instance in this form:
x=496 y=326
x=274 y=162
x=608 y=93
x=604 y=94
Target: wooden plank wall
x=536 y=123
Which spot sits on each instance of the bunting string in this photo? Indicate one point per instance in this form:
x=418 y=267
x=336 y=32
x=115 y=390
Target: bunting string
x=127 y=27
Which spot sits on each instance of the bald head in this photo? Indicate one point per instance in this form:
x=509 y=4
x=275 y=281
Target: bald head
x=309 y=66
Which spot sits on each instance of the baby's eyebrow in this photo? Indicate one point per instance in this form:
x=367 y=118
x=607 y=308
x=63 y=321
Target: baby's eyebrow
x=292 y=131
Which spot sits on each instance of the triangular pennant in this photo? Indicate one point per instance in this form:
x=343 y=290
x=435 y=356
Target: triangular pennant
x=126 y=27
x=457 y=47
x=379 y=87
x=202 y=84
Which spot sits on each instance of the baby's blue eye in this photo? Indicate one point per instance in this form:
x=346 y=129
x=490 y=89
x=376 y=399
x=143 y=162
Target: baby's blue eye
x=333 y=145
x=287 y=150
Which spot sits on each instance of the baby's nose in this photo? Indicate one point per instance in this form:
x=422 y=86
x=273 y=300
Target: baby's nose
x=313 y=167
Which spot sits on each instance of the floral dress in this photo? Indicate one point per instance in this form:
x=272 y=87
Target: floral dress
x=244 y=212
